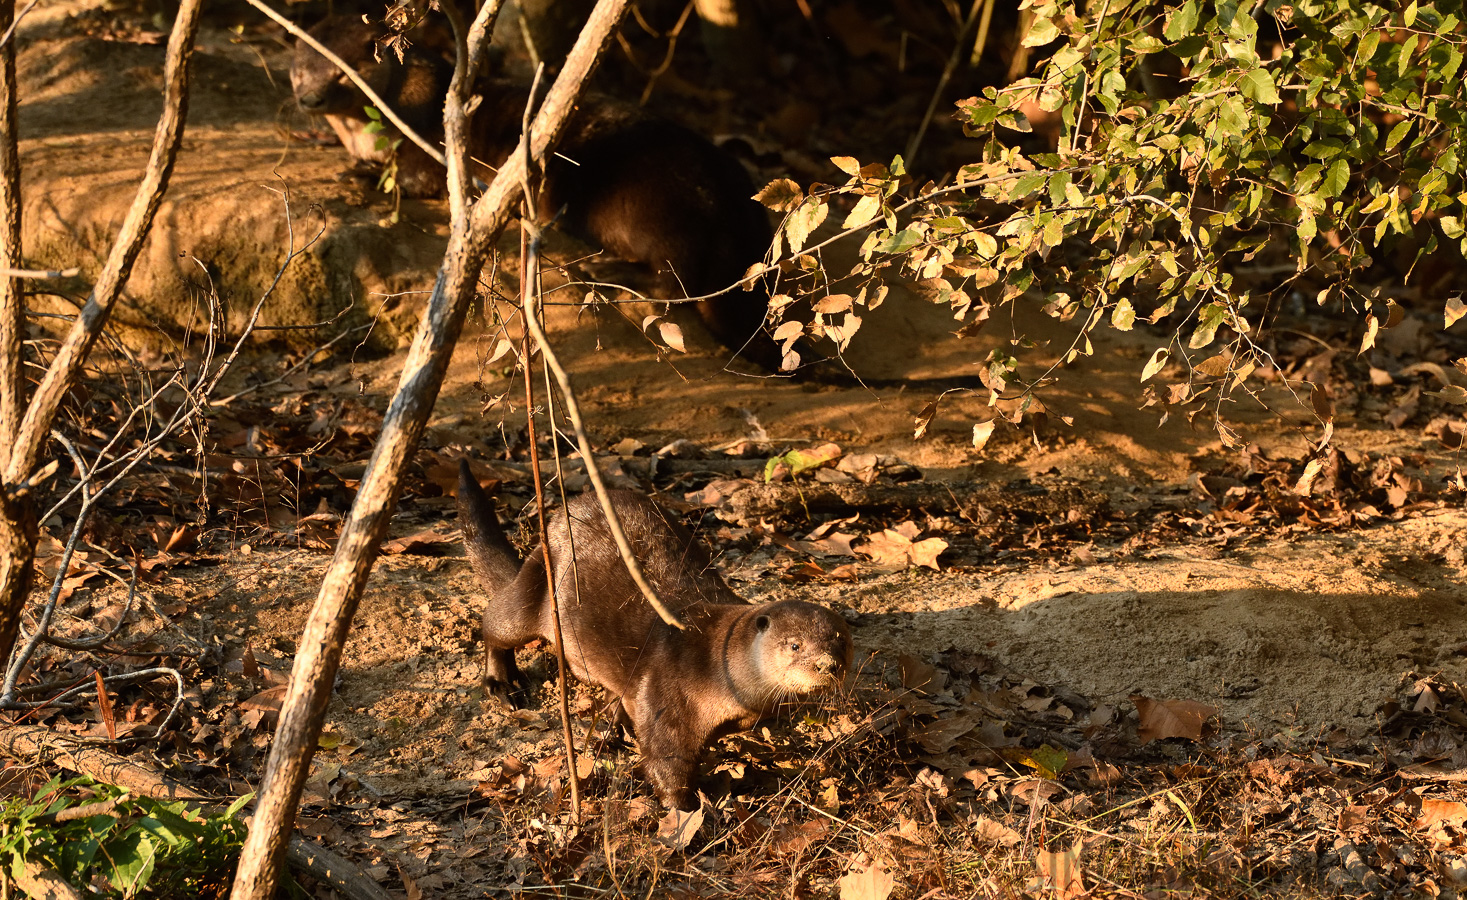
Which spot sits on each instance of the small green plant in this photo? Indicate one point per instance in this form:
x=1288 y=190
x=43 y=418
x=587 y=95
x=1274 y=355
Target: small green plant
x=387 y=181
x=120 y=845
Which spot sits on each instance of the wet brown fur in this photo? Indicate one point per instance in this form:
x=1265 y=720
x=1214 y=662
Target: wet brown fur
x=679 y=690
x=643 y=188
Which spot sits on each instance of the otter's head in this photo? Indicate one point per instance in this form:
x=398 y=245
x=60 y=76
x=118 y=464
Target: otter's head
x=320 y=87
x=800 y=648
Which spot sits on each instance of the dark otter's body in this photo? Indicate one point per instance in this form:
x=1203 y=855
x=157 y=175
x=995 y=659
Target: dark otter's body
x=679 y=689
x=643 y=188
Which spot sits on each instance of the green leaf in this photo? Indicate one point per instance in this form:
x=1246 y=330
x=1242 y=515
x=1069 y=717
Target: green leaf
x=1398 y=133
x=900 y=242
x=133 y=857
x=1368 y=45
x=1324 y=148
x=1307 y=227
x=1257 y=85
x=1181 y=22
x=1403 y=57
x=1408 y=17
x=1336 y=179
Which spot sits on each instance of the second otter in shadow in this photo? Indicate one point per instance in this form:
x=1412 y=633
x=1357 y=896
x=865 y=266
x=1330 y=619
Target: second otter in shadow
x=641 y=187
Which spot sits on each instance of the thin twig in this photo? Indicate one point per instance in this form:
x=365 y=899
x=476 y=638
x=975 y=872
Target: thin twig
x=529 y=277
x=15 y=23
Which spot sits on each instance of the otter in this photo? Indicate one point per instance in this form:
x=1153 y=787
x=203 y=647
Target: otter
x=641 y=187
x=678 y=690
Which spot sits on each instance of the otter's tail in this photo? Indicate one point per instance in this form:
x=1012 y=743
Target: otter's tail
x=490 y=553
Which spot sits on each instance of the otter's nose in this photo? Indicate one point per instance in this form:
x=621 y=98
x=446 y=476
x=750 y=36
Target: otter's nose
x=825 y=665
x=310 y=102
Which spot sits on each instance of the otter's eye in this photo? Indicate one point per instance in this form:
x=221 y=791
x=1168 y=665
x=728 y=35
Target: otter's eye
x=795 y=646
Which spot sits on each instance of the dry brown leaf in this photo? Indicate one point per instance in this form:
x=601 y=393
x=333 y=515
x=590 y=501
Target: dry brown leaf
x=788 y=840
x=866 y=879
x=1061 y=871
x=925 y=553
x=1161 y=719
x=919 y=675
x=987 y=831
x=677 y=829
x=939 y=736
x=1436 y=813
x=887 y=549
x=896 y=550
x=417 y=543
x=1352 y=817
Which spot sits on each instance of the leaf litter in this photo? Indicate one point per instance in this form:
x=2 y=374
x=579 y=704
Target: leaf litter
x=984 y=748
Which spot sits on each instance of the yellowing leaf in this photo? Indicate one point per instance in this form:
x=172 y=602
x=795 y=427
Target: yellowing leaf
x=672 y=335
x=1452 y=393
x=1455 y=310
x=805 y=219
x=1040 y=33
x=982 y=431
x=867 y=209
x=834 y=303
x=788 y=331
x=781 y=194
x=848 y=164
x=1155 y=364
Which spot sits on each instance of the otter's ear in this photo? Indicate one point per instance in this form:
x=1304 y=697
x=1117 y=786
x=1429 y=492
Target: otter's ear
x=762 y=623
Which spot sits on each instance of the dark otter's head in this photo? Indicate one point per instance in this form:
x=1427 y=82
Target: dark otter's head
x=800 y=648
x=320 y=87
